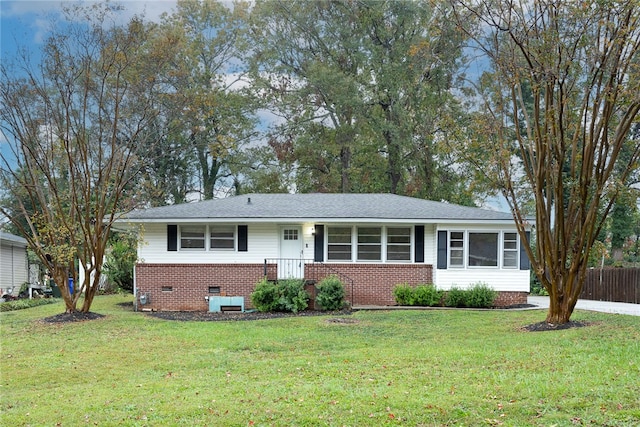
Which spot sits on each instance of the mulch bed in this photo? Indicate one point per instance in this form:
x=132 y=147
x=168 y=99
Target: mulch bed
x=72 y=317
x=544 y=326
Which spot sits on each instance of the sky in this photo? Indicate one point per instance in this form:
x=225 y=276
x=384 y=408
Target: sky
x=25 y=23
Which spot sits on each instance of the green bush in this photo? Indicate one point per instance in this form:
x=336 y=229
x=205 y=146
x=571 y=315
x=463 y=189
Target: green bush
x=292 y=296
x=481 y=295
x=426 y=295
x=121 y=260
x=330 y=294
x=265 y=297
x=403 y=294
x=286 y=295
x=455 y=297
x=20 y=304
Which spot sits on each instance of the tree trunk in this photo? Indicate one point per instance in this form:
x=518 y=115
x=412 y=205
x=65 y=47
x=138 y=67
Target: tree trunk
x=560 y=310
x=345 y=164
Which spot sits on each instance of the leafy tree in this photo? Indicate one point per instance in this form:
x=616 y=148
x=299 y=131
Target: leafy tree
x=363 y=90
x=560 y=99
x=212 y=113
x=75 y=125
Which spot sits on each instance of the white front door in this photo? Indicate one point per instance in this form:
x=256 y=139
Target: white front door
x=291 y=263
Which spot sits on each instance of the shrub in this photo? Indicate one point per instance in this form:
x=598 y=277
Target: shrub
x=403 y=294
x=20 y=304
x=426 y=295
x=330 y=294
x=455 y=297
x=265 y=297
x=286 y=295
x=292 y=296
x=481 y=296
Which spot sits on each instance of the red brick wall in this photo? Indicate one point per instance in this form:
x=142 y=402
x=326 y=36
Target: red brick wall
x=506 y=299
x=189 y=283
x=373 y=283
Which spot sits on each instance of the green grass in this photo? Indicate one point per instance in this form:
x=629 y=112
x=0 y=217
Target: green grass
x=414 y=368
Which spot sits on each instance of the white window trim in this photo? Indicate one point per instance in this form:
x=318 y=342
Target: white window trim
x=204 y=236
x=235 y=238
x=516 y=250
x=465 y=246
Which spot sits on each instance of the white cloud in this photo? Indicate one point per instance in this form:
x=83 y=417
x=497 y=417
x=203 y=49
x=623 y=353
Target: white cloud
x=151 y=10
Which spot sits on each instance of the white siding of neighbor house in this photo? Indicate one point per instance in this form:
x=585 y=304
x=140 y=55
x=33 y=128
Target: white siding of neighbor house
x=13 y=267
x=500 y=279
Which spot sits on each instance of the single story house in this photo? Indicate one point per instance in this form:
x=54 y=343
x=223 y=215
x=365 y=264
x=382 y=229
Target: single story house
x=373 y=242
x=14 y=263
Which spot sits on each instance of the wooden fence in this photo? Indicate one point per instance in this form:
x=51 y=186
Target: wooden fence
x=612 y=284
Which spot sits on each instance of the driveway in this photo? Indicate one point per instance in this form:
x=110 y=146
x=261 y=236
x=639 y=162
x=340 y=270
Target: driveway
x=601 y=306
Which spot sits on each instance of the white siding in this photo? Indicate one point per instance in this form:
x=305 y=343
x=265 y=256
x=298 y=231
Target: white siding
x=262 y=243
x=499 y=280
x=13 y=267
x=430 y=244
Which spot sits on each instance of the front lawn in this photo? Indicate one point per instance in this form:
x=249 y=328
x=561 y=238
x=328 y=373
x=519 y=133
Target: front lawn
x=414 y=368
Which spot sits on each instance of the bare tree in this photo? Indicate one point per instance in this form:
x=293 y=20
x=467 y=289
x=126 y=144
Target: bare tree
x=562 y=93
x=75 y=124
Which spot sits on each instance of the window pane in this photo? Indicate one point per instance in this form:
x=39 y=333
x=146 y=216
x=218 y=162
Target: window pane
x=222 y=237
x=192 y=237
x=369 y=252
x=339 y=248
x=483 y=249
x=398 y=253
x=510 y=259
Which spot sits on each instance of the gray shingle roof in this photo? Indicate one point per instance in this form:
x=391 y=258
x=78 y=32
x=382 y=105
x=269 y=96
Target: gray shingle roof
x=316 y=206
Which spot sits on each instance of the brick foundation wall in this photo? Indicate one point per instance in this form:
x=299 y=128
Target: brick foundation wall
x=183 y=287
x=190 y=284
x=506 y=299
x=373 y=283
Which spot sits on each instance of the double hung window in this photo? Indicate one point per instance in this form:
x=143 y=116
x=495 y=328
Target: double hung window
x=398 y=244
x=369 y=243
x=207 y=237
x=222 y=237
x=339 y=244
x=192 y=237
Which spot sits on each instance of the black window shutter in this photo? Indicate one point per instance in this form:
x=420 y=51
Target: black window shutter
x=318 y=243
x=242 y=238
x=172 y=237
x=442 y=250
x=419 y=248
x=525 y=264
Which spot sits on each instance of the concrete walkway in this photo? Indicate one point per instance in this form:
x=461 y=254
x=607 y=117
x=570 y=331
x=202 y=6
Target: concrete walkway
x=601 y=306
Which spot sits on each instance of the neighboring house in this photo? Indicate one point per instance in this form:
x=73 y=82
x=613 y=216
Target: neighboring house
x=14 y=264
x=371 y=241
